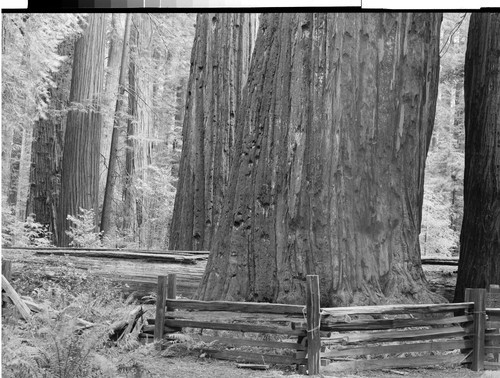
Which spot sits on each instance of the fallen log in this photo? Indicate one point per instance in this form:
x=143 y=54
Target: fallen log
x=453 y=261
x=74 y=249
x=16 y=299
x=156 y=257
x=136 y=277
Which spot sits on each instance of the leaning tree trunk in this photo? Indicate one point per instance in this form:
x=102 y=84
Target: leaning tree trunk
x=80 y=167
x=47 y=147
x=336 y=122
x=110 y=97
x=479 y=263
x=113 y=149
x=219 y=68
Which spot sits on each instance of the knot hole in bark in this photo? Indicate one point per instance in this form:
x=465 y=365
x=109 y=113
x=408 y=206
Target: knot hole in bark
x=305 y=29
x=238 y=220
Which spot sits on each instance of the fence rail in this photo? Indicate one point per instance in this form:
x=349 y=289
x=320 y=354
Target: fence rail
x=341 y=338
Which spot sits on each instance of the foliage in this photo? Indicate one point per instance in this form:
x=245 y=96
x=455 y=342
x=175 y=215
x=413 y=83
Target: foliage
x=160 y=190
x=29 y=233
x=46 y=347
x=29 y=58
x=83 y=231
x=54 y=346
x=62 y=284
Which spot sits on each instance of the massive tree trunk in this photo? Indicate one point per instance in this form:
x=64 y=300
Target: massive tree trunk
x=47 y=147
x=80 y=167
x=336 y=122
x=219 y=68
x=479 y=263
x=113 y=150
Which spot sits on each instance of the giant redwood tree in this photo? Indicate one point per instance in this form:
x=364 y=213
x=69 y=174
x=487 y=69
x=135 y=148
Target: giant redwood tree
x=47 y=147
x=335 y=126
x=219 y=68
x=80 y=164
x=479 y=263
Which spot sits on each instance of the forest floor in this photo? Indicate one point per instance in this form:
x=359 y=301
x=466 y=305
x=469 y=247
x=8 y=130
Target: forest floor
x=193 y=367
x=68 y=290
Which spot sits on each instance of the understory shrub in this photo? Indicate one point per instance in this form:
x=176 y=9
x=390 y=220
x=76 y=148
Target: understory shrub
x=83 y=230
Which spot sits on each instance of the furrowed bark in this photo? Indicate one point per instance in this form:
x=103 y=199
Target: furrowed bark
x=336 y=122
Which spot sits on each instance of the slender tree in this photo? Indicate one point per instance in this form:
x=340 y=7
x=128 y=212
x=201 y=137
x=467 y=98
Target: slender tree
x=80 y=166
x=219 y=68
x=111 y=92
x=335 y=126
x=479 y=263
x=140 y=123
x=113 y=152
x=143 y=119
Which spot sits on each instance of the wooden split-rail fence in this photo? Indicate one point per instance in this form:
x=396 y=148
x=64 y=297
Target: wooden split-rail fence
x=322 y=340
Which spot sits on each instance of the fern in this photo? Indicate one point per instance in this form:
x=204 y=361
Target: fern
x=19 y=359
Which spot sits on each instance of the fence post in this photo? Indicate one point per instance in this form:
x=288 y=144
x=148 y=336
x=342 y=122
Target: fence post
x=478 y=296
x=172 y=287
x=160 y=307
x=313 y=324
x=494 y=301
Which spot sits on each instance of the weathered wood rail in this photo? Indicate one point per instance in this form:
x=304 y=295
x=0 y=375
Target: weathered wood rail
x=277 y=319
x=340 y=339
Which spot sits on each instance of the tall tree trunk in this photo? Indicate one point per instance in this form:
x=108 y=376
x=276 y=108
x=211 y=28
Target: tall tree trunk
x=24 y=173
x=220 y=63
x=110 y=97
x=113 y=152
x=479 y=263
x=140 y=128
x=144 y=122
x=129 y=225
x=80 y=167
x=336 y=121
x=47 y=147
